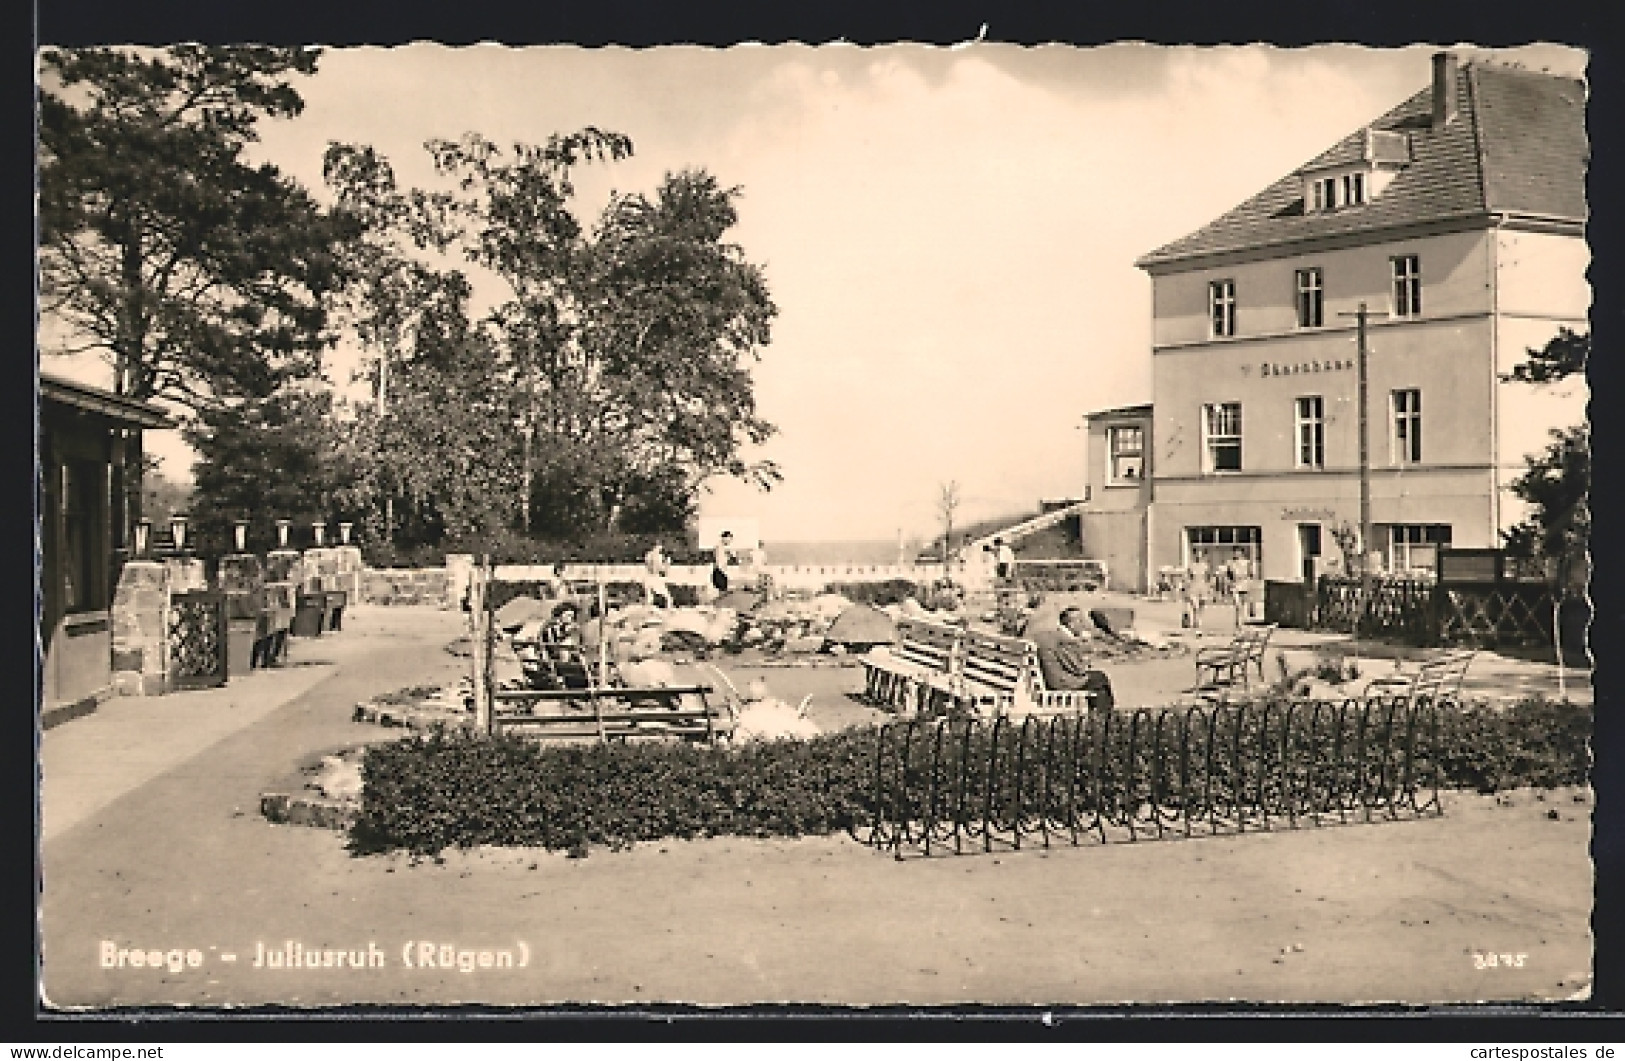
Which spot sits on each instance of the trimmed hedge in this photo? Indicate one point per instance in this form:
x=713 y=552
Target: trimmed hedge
x=430 y=792
x=448 y=789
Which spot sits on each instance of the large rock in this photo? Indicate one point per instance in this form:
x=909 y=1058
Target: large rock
x=772 y=719
x=519 y=611
x=738 y=600
x=829 y=605
x=862 y=624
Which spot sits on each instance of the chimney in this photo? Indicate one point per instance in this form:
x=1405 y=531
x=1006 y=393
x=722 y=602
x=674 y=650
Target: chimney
x=1444 y=89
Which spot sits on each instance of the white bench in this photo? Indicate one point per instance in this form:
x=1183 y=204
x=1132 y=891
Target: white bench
x=923 y=663
x=1003 y=673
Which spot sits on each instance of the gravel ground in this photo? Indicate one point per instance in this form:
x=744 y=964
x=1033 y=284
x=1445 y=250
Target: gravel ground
x=182 y=862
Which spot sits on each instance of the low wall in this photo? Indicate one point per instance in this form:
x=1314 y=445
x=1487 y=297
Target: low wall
x=443 y=587
x=407 y=586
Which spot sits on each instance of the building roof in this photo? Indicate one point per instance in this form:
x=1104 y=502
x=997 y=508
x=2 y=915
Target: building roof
x=104 y=403
x=1517 y=146
x=1122 y=410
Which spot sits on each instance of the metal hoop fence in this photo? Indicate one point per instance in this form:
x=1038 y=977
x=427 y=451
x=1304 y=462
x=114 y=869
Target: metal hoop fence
x=959 y=785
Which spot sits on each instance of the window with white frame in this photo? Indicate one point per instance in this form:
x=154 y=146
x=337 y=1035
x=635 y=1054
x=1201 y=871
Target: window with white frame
x=1221 y=298
x=1221 y=437
x=1415 y=546
x=1311 y=299
x=1125 y=460
x=1407 y=435
x=1324 y=194
x=1311 y=418
x=1216 y=547
x=1407 y=273
x=1353 y=189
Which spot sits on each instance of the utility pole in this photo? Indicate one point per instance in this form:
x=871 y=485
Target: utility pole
x=1361 y=315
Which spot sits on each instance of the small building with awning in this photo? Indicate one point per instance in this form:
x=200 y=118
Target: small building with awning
x=89 y=467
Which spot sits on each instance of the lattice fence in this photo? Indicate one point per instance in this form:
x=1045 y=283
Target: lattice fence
x=197 y=639
x=1508 y=613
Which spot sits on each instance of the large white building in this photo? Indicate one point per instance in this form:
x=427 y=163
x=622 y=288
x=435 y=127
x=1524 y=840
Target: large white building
x=1458 y=220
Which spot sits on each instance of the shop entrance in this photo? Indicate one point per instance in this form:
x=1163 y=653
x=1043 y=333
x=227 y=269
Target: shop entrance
x=1309 y=550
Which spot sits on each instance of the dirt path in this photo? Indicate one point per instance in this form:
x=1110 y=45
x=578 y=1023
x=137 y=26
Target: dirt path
x=1392 y=911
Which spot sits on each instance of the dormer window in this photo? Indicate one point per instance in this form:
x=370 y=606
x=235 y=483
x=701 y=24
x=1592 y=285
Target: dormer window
x=1355 y=175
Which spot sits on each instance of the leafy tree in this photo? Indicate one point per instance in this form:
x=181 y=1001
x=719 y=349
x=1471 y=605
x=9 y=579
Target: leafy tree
x=1565 y=354
x=200 y=275
x=628 y=346
x=1557 y=481
x=1557 y=484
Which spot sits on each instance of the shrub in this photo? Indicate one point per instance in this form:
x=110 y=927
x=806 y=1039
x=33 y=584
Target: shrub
x=880 y=594
x=1535 y=742
x=448 y=789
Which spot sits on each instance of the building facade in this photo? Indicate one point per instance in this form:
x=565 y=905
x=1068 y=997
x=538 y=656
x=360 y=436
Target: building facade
x=1113 y=521
x=1456 y=221
x=89 y=468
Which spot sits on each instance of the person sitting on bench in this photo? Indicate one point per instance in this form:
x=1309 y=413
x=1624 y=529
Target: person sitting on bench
x=1063 y=656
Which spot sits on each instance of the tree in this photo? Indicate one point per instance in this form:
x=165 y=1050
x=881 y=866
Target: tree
x=202 y=277
x=627 y=346
x=265 y=459
x=1556 y=482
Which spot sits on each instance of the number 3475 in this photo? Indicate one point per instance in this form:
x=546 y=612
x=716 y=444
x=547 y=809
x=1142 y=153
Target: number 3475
x=1498 y=961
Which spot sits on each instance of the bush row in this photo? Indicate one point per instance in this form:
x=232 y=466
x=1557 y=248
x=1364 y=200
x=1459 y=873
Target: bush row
x=445 y=789
x=442 y=790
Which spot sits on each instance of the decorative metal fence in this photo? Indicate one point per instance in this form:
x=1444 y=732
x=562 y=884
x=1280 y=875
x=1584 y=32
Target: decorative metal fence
x=197 y=639
x=963 y=785
x=1400 y=608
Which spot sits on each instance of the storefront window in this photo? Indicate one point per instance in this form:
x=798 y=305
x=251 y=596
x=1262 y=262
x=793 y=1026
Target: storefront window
x=1217 y=546
x=1414 y=547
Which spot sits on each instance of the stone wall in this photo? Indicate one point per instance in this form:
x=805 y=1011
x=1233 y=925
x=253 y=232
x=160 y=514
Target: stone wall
x=407 y=586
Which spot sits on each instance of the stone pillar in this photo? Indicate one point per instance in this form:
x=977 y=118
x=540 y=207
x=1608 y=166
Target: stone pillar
x=349 y=557
x=322 y=569
x=284 y=565
x=459 y=570
x=141 y=629
x=186 y=573
x=242 y=580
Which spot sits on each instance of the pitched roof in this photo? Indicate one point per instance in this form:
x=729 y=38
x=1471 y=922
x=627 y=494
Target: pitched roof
x=1518 y=144
x=103 y=403
x=1121 y=410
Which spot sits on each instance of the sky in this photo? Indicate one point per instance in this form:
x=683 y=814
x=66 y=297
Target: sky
x=948 y=233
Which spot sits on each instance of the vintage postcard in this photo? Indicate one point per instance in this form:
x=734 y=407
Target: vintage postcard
x=898 y=525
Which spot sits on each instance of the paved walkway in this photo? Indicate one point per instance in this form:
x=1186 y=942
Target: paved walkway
x=90 y=761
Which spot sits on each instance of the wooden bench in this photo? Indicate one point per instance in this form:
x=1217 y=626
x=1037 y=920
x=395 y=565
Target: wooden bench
x=1438 y=679
x=1003 y=674
x=611 y=713
x=1222 y=666
x=925 y=659
x=551 y=664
